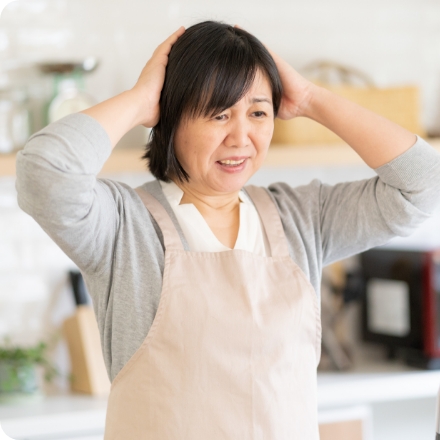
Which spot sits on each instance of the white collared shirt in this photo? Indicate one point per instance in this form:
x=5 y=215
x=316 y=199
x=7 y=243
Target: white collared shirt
x=200 y=238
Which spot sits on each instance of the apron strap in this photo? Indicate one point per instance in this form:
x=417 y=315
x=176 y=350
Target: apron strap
x=171 y=237
x=271 y=220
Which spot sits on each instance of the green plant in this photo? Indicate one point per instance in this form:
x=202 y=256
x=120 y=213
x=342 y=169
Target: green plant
x=20 y=363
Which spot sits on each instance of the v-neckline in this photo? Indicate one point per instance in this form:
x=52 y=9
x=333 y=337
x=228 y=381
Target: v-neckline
x=175 y=195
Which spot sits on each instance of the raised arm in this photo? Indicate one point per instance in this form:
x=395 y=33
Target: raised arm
x=355 y=216
x=56 y=171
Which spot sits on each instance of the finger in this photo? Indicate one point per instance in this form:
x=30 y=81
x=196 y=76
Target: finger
x=166 y=45
x=171 y=39
x=175 y=35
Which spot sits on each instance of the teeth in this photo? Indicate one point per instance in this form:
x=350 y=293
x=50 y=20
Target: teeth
x=231 y=162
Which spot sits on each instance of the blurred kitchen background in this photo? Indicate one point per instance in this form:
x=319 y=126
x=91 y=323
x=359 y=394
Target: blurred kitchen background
x=378 y=377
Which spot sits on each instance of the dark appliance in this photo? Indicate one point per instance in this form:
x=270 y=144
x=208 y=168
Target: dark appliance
x=401 y=303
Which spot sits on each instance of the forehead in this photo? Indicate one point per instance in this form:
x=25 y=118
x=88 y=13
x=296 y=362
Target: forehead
x=260 y=86
x=260 y=91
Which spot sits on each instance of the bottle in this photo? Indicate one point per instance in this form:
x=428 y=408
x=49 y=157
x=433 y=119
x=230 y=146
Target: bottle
x=14 y=119
x=69 y=98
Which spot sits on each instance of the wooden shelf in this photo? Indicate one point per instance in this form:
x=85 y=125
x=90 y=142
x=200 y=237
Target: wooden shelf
x=129 y=160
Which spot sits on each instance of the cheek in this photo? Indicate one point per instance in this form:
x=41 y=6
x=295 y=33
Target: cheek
x=185 y=145
x=263 y=135
x=204 y=145
x=194 y=151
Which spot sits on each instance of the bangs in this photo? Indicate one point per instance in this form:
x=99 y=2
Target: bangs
x=227 y=80
x=219 y=64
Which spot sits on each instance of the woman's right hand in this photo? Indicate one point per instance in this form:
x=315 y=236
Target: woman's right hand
x=140 y=104
x=149 y=85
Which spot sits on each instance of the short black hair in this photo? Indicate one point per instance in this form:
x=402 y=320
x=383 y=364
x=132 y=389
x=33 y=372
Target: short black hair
x=210 y=68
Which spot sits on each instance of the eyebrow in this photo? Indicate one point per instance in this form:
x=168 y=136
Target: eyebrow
x=255 y=100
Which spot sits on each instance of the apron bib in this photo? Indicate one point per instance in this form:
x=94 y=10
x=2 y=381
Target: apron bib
x=233 y=350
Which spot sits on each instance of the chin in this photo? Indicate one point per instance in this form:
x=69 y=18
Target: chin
x=231 y=184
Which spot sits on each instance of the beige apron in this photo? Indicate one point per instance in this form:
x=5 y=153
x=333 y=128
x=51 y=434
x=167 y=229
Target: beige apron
x=233 y=349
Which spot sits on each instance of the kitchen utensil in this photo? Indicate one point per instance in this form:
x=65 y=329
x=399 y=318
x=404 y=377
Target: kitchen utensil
x=79 y=288
x=81 y=331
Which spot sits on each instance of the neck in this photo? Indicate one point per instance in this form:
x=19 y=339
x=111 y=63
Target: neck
x=204 y=201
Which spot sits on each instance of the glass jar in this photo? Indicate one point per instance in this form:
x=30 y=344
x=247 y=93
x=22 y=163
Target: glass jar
x=14 y=119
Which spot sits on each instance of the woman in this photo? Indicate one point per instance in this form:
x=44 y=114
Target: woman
x=232 y=271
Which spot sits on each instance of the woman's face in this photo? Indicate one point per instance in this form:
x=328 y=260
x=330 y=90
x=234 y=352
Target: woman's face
x=221 y=153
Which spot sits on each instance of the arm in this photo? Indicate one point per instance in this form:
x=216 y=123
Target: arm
x=56 y=171
x=57 y=186
x=355 y=216
x=376 y=139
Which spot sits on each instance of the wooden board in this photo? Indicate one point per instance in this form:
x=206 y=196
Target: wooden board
x=398 y=104
x=344 y=430
x=88 y=370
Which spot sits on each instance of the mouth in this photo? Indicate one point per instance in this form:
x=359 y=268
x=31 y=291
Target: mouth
x=232 y=165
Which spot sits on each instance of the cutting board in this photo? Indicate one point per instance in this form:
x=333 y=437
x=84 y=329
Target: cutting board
x=88 y=372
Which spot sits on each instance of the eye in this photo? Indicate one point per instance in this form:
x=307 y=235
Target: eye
x=259 y=114
x=220 y=117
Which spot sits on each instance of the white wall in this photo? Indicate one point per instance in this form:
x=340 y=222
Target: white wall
x=396 y=42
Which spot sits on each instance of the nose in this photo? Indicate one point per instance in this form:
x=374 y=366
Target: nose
x=238 y=134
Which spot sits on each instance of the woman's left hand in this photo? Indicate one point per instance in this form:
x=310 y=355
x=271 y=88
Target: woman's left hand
x=297 y=90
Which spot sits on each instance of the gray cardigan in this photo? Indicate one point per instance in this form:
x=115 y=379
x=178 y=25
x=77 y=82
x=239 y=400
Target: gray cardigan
x=103 y=227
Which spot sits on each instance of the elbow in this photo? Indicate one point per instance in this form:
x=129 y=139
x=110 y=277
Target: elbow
x=407 y=221
x=405 y=211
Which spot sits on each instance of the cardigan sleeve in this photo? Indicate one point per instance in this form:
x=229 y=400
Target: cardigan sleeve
x=57 y=185
x=326 y=223
x=359 y=215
